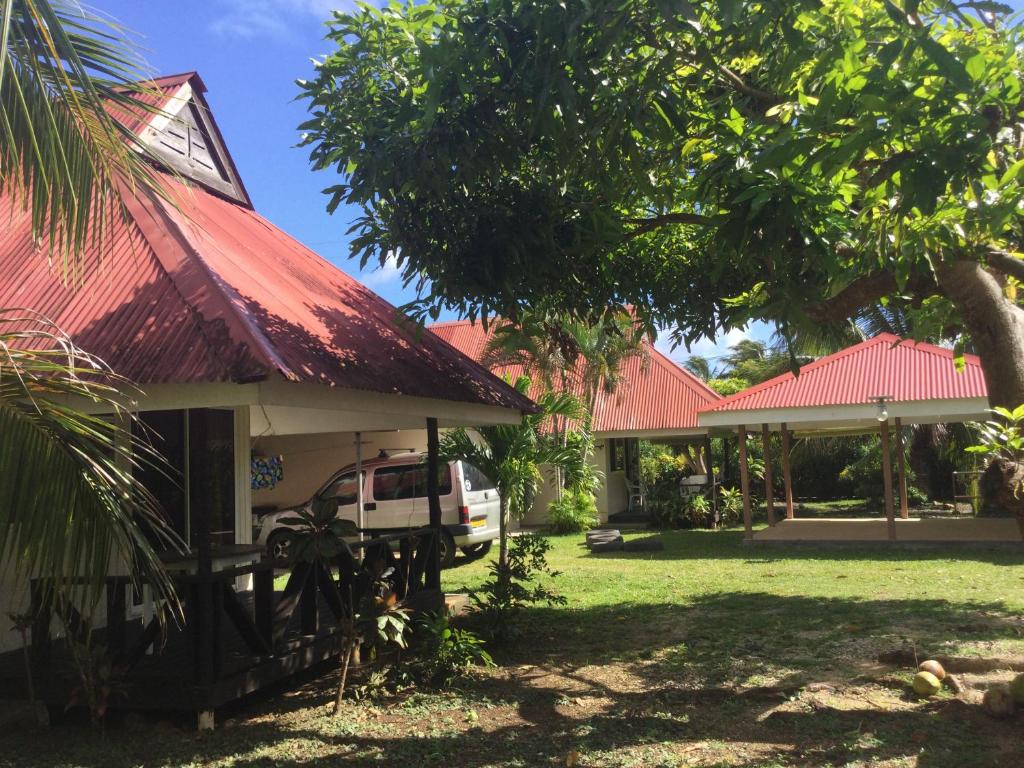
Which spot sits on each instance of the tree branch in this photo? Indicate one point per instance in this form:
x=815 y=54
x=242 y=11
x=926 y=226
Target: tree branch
x=741 y=85
x=861 y=292
x=643 y=226
x=1006 y=263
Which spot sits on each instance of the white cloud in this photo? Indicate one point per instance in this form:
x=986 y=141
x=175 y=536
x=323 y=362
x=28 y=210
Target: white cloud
x=270 y=18
x=386 y=274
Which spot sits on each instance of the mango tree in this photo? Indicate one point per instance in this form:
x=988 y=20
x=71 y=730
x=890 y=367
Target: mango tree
x=707 y=162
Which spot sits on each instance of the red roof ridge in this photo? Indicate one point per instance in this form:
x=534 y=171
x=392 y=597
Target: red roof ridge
x=222 y=305
x=677 y=371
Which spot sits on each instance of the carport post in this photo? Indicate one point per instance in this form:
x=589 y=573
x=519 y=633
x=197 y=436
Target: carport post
x=890 y=515
x=787 y=479
x=902 y=458
x=433 y=576
x=360 y=512
x=769 y=492
x=748 y=527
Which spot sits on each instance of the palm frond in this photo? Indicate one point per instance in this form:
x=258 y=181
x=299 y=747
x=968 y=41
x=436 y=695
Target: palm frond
x=64 y=72
x=70 y=506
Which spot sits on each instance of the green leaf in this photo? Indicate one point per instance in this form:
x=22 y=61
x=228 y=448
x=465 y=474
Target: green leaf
x=948 y=65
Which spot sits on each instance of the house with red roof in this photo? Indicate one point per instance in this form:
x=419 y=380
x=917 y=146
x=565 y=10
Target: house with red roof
x=237 y=335
x=657 y=400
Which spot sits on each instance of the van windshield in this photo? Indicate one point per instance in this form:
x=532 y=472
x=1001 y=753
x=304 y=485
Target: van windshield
x=474 y=479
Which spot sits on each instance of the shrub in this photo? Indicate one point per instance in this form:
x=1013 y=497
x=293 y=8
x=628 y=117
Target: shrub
x=575 y=512
x=444 y=651
x=730 y=505
x=697 y=510
x=510 y=589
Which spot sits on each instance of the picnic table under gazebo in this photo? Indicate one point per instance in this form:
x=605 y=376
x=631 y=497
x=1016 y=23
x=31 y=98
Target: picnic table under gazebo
x=874 y=387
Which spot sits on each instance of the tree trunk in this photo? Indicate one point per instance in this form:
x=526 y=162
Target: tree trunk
x=995 y=324
x=503 y=536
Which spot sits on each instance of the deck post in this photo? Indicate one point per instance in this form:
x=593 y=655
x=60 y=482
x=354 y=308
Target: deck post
x=748 y=526
x=902 y=459
x=433 y=575
x=787 y=478
x=709 y=470
x=890 y=514
x=769 y=492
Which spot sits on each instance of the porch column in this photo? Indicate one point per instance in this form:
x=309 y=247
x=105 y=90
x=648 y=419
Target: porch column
x=204 y=617
x=748 y=528
x=769 y=493
x=787 y=479
x=887 y=479
x=902 y=459
x=433 y=575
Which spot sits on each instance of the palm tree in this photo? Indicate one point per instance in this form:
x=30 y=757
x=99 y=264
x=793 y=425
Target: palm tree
x=568 y=354
x=69 y=504
x=700 y=367
x=512 y=454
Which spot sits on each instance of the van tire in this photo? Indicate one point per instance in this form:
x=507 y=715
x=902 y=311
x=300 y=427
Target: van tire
x=279 y=546
x=476 y=551
x=447 y=544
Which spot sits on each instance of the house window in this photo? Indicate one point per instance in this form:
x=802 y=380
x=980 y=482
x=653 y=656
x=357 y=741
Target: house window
x=616 y=455
x=199 y=446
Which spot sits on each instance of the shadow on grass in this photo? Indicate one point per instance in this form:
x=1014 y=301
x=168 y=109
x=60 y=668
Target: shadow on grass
x=655 y=682
x=728 y=545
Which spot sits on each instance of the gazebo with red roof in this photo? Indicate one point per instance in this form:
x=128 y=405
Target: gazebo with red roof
x=880 y=383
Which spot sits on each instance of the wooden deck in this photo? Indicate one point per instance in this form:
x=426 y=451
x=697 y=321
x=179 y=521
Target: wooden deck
x=915 y=531
x=231 y=642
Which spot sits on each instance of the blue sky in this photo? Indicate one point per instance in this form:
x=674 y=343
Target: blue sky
x=249 y=53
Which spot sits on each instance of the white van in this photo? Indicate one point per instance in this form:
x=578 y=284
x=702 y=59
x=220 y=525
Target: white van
x=395 y=499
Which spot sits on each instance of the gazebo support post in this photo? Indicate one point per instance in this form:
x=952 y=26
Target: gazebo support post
x=787 y=479
x=901 y=457
x=890 y=515
x=769 y=492
x=709 y=470
x=748 y=525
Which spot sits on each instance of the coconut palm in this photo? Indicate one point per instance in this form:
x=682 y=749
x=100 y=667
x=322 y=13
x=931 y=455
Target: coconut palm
x=512 y=454
x=69 y=505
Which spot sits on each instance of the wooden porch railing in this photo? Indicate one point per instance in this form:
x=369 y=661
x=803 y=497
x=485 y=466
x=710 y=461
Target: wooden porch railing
x=266 y=630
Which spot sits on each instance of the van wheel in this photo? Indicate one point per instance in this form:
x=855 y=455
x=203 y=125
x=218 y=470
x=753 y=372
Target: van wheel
x=279 y=548
x=447 y=549
x=476 y=551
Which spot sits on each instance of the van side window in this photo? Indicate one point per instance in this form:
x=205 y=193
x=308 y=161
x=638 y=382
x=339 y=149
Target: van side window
x=408 y=481
x=475 y=479
x=342 y=488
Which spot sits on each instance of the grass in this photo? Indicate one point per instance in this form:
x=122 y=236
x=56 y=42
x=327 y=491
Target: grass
x=707 y=653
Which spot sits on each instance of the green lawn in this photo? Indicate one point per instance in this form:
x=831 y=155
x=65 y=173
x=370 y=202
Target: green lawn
x=708 y=653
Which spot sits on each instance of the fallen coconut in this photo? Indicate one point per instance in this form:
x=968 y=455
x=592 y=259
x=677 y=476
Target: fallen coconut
x=933 y=667
x=1017 y=689
x=998 y=701
x=926 y=684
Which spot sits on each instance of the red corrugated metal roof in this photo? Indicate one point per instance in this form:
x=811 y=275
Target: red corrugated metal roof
x=902 y=370
x=662 y=396
x=206 y=290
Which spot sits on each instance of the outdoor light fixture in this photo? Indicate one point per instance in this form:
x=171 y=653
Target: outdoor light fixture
x=883 y=412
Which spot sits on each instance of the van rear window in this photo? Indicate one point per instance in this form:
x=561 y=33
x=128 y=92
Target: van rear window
x=475 y=479
x=408 y=481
